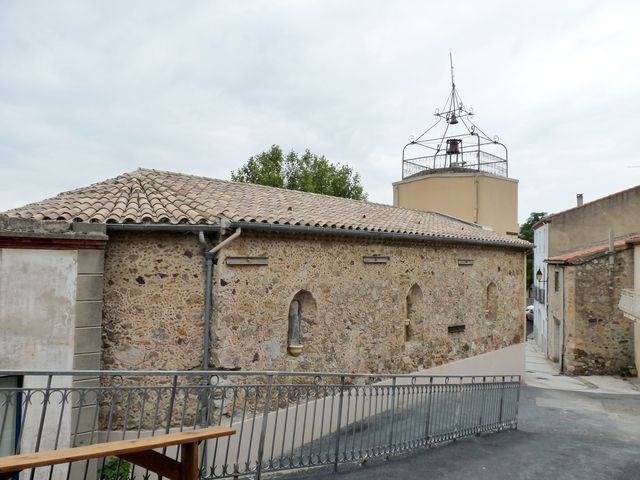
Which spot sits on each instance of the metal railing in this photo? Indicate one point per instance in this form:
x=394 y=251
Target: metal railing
x=284 y=420
x=472 y=160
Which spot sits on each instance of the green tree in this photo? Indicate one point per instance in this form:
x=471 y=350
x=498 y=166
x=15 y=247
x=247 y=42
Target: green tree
x=307 y=173
x=526 y=233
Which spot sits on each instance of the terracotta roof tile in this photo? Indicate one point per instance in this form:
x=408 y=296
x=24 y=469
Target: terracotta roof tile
x=153 y=196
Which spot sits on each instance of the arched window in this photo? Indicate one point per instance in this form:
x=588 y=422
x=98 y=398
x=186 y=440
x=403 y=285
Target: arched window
x=414 y=299
x=491 y=307
x=302 y=309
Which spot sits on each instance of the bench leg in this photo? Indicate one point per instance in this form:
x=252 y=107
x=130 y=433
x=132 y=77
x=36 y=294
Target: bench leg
x=189 y=461
x=8 y=475
x=156 y=462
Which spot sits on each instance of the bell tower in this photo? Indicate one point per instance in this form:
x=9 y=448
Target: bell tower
x=455 y=168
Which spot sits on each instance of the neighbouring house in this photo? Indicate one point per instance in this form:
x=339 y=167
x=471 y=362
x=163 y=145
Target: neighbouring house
x=585 y=225
x=630 y=301
x=51 y=317
x=200 y=272
x=587 y=332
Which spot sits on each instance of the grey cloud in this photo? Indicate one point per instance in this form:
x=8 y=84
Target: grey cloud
x=91 y=89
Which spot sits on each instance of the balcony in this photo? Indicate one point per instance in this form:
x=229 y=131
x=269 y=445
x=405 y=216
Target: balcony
x=630 y=304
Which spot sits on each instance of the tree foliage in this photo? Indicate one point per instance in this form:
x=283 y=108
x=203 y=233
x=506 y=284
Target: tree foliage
x=526 y=233
x=307 y=173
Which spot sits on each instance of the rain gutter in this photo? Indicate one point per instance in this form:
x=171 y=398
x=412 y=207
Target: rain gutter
x=161 y=227
x=341 y=232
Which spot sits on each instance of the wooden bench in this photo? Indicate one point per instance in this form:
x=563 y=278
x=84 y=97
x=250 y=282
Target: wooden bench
x=138 y=450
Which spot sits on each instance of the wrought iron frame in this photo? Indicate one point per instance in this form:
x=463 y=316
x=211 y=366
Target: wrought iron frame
x=474 y=154
x=284 y=420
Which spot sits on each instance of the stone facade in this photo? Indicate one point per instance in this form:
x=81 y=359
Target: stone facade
x=353 y=314
x=600 y=339
x=588 y=333
x=153 y=301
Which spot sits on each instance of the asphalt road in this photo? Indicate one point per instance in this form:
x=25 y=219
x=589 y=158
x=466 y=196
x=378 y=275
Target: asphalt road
x=563 y=435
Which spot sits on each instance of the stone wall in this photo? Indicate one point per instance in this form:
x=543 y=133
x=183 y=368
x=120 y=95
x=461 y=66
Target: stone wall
x=359 y=320
x=153 y=301
x=599 y=338
x=154 y=298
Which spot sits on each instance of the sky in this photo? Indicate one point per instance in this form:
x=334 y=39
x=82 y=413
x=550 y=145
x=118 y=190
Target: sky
x=93 y=89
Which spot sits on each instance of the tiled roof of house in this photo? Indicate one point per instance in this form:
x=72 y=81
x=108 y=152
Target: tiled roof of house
x=158 y=197
x=584 y=254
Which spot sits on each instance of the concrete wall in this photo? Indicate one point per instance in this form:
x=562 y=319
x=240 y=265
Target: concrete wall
x=505 y=361
x=50 y=312
x=482 y=198
x=37 y=314
x=591 y=222
x=37 y=308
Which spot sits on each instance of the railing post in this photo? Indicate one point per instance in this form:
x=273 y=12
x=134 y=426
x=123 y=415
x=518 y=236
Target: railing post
x=482 y=405
x=338 y=425
x=515 y=420
x=391 y=420
x=428 y=419
x=263 y=427
x=501 y=401
x=43 y=414
x=458 y=411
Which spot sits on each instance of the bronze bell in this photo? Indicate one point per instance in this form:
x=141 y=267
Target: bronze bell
x=453 y=120
x=453 y=146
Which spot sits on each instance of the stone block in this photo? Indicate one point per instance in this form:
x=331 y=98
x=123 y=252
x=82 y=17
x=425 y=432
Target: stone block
x=78 y=470
x=82 y=439
x=85 y=382
x=90 y=261
x=88 y=340
x=82 y=227
x=84 y=418
x=85 y=397
x=89 y=313
x=86 y=361
x=89 y=287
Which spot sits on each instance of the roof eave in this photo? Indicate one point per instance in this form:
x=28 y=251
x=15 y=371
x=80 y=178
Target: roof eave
x=284 y=228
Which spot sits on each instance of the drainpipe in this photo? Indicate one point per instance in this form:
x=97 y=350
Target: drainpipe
x=210 y=255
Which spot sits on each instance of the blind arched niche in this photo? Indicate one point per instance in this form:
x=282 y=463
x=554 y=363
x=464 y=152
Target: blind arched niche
x=414 y=299
x=302 y=310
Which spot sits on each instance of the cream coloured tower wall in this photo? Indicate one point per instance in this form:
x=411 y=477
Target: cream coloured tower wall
x=476 y=197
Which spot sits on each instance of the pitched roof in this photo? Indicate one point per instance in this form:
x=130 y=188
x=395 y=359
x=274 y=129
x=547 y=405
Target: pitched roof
x=584 y=254
x=158 y=197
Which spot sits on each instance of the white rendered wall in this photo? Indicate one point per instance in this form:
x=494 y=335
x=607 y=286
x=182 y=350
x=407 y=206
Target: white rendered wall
x=37 y=319
x=540 y=254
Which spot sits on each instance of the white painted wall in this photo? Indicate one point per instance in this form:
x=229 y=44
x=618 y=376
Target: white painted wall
x=37 y=319
x=37 y=314
x=540 y=254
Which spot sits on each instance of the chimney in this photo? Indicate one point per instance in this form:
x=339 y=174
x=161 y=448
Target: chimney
x=579 y=199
